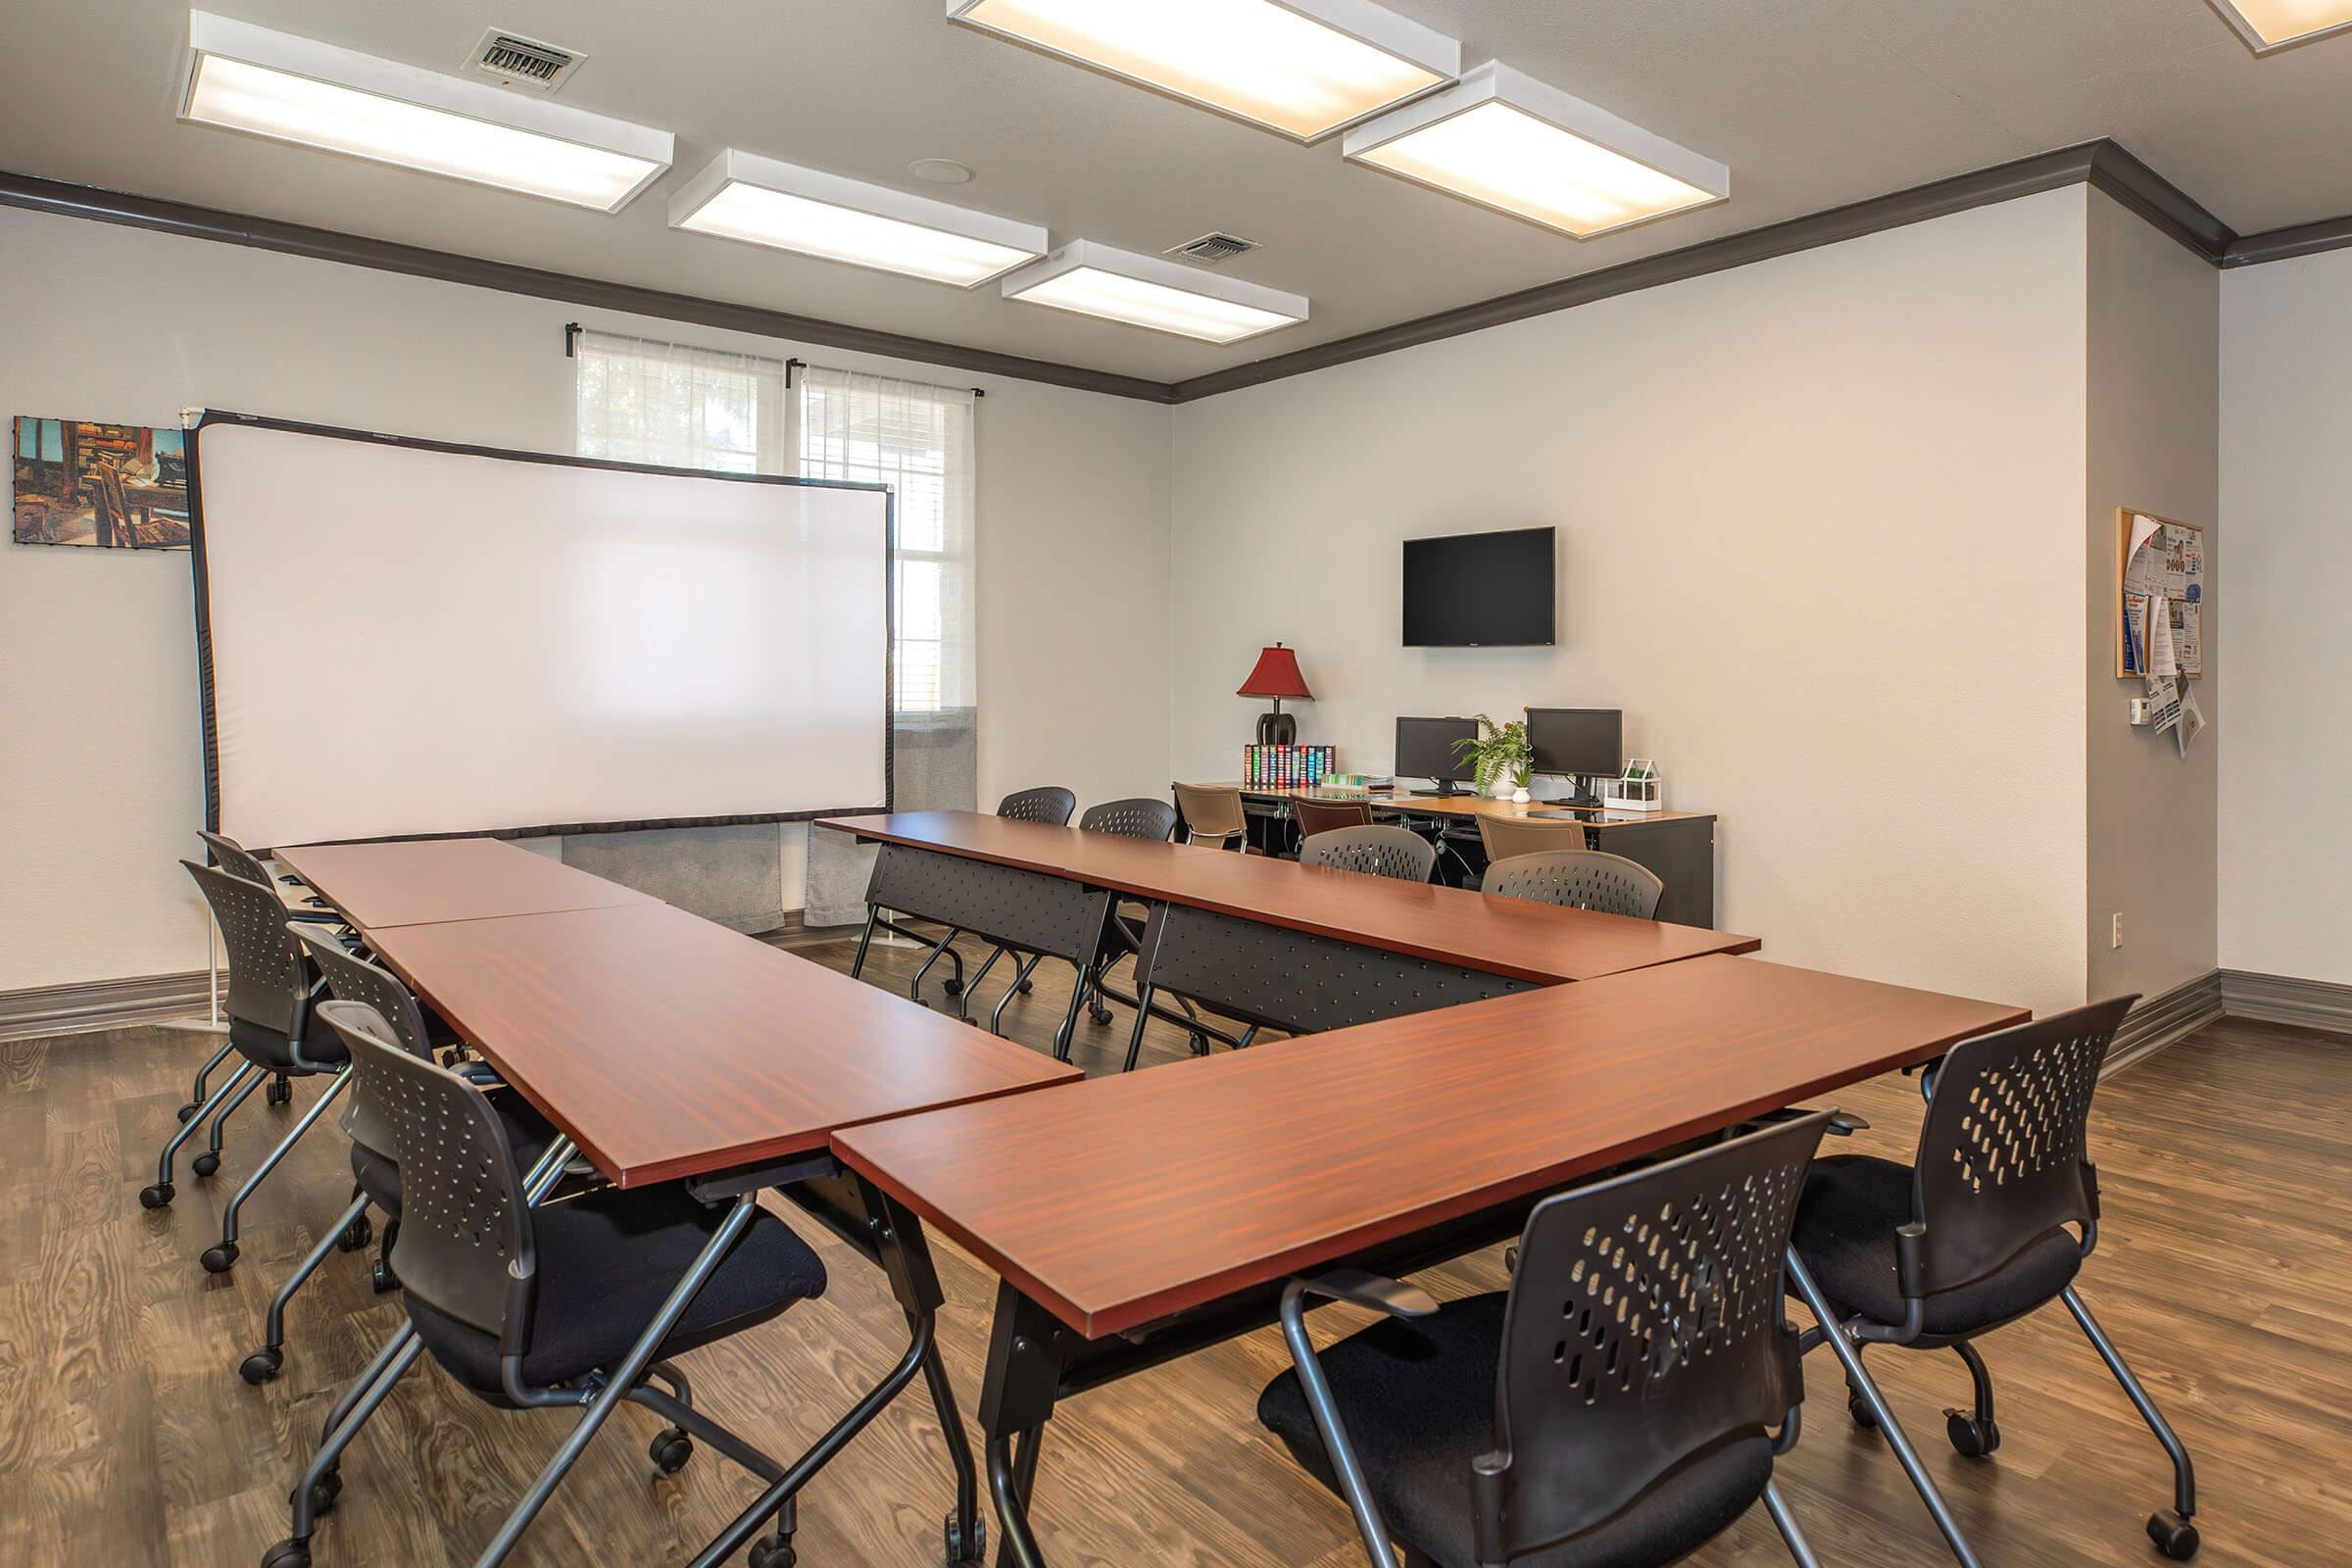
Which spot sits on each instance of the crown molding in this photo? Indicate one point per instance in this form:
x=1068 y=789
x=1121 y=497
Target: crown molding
x=2286 y=244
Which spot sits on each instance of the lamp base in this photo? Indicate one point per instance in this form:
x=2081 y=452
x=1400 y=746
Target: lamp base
x=1276 y=729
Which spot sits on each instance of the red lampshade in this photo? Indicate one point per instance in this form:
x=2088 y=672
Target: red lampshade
x=1276 y=675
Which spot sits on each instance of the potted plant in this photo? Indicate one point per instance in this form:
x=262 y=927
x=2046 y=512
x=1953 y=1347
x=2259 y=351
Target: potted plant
x=1504 y=762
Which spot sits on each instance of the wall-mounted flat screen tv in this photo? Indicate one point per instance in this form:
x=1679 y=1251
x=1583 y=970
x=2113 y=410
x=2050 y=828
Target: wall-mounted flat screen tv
x=1480 y=590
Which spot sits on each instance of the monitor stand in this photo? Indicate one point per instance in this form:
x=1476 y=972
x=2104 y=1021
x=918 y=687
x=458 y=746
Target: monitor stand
x=1443 y=792
x=1580 y=793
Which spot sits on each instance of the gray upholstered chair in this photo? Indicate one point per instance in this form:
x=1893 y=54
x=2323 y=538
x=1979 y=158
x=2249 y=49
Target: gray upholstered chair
x=1579 y=879
x=1376 y=850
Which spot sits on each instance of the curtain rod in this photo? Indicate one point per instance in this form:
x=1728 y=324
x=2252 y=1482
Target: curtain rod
x=571 y=350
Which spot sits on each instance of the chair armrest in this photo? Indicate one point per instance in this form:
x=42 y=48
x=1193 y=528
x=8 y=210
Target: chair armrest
x=1358 y=1288
x=1842 y=1123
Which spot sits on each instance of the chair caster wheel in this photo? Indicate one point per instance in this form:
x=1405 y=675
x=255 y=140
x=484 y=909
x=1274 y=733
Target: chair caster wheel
x=669 y=1451
x=205 y=1164
x=1972 y=1438
x=187 y=1112
x=323 y=1493
x=287 y=1554
x=156 y=1197
x=775 y=1551
x=961 y=1550
x=2176 y=1538
x=280 y=1092
x=954 y=987
x=381 y=1279
x=1025 y=987
x=220 y=1260
x=1199 y=1044
x=1859 y=1409
x=261 y=1366
x=356 y=1235
x=1099 y=1014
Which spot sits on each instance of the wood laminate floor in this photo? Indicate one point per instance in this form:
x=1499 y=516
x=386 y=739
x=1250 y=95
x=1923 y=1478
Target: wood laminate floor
x=126 y=1438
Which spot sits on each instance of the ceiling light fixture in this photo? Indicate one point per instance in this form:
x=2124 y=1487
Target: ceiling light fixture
x=1146 y=291
x=283 y=88
x=2272 y=25
x=787 y=208
x=1505 y=140
x=1303 y=68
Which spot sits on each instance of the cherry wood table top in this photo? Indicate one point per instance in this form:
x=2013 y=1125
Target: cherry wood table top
x=1464 y=805
x=1121 y=1201
x=1514 y=937
x=669 y=1047
x=420 y=881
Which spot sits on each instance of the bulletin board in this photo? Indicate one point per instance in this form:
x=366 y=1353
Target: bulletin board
x=2170 y=561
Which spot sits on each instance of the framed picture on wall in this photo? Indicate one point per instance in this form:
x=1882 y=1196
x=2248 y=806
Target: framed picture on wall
x=103 y=486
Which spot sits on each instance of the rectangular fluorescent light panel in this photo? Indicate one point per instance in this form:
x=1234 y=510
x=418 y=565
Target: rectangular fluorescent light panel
x=745 y=197
x=2267 y=25
x=273 y=85
x=1165 y=296
x=1506 y=141
x=1303 y=67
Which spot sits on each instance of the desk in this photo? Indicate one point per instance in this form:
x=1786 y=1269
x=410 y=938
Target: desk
x=419 y=882
x=667 y=1048
x=1136 y=1219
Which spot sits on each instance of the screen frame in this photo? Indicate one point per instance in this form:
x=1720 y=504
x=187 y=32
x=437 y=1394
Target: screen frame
x=1469 y=774
x=1616 y=769
x=201 y=583
x=1552 y=586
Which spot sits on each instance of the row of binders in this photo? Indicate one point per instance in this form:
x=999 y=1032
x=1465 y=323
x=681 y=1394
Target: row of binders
x=1287 y=766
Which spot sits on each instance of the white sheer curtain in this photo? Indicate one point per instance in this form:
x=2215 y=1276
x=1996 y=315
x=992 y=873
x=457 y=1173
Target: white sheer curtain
x=636 y=400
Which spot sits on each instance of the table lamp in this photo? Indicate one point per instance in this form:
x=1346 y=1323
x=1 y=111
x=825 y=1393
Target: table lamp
x=1277 y=676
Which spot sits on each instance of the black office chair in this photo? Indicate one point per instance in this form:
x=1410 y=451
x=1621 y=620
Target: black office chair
x=376 y=1177
x=270 y=989
x=527 y=1307
x=1621 y=1406
x=1973 y=1236
x=1379 y=849
x=1051 y=805
x=1578 y=879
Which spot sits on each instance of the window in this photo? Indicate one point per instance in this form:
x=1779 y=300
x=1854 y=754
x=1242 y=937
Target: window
x=638 y=401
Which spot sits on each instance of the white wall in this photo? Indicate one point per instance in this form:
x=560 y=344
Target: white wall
x=1822 y=524
x=101 y=774
x=2286 y=482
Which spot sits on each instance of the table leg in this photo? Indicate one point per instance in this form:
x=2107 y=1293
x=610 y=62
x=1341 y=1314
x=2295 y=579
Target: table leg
x=1024 y=1378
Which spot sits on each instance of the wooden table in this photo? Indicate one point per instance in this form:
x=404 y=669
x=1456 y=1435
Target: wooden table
x=1136 y=1219
x=667 y=1048
x=423 y=881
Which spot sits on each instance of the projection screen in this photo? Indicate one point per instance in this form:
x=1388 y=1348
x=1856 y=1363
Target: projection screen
x=403 y=638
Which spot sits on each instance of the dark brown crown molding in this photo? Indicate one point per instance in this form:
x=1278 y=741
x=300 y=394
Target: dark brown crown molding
x=2286 y=244
x=327 y=245
x=2163 y=204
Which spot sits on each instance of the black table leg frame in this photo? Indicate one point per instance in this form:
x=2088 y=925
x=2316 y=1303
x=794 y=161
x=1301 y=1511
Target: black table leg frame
x=1025 y=1354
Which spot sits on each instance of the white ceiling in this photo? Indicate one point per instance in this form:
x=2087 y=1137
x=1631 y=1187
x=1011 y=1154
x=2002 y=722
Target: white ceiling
x=1813 y=103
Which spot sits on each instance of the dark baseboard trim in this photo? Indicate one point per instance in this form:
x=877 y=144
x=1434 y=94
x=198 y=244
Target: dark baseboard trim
x=2163 y=1020
x=2281 y=998
x=47 y=1011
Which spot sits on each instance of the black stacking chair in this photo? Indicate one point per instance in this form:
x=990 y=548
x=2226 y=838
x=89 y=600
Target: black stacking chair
x=1972 y=1235
x=1379 y=849
x=270 y=989
x=375 y=1178
x=1621 y=1406
x=528 y=1306
x=238 y=861
x=1578 y=879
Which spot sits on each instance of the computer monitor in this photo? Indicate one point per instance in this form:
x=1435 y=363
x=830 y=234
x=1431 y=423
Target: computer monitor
x=1577 y=741
x=1425 y=749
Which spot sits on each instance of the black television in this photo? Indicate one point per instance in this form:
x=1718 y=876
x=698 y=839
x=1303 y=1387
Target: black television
x=1480 y=590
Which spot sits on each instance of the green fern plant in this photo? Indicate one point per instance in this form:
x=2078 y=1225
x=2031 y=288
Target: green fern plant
x=1499 y=751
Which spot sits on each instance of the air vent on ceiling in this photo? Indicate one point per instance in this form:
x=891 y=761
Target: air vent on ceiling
x=1214 y=248
x=520 y=62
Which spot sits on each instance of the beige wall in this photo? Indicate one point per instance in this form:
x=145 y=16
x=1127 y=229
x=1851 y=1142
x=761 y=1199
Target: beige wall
x=2154 y=415
x=2286 y=488
x=1820 y=523
x=100 y=772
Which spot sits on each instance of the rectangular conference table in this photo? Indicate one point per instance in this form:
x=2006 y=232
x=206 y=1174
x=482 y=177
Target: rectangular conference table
x=1298 y=946
x=1136 y=1219
x=669 y=1049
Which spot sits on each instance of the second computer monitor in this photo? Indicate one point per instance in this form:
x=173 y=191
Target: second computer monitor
x=1427 y=747
x=1577 y=741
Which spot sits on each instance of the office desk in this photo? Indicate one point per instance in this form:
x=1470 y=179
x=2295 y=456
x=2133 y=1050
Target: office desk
x=417 y=882
x=667 y=1048
x=1136 y=1219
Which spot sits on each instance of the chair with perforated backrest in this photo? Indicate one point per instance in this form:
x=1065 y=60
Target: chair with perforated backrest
x=1578 y=879
x=1378 y=850
x=1622 y=1403
x=1214 y=815
x=1504 y=837
x=1328 y=817
x=238 y=860
x=1051 y=805
x=530 y=1307
x=1138 y=818
x=1989 y=1223
x=267 y=1005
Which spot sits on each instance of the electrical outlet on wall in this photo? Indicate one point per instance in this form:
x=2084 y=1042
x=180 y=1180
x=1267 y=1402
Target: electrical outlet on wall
x=2117 y=940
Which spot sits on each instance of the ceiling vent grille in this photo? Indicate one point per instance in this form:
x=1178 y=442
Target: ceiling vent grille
x=520 y=62
x=1214 y=248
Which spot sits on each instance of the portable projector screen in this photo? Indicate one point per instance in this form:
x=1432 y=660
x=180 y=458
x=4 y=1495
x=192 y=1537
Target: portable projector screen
x=403 y=638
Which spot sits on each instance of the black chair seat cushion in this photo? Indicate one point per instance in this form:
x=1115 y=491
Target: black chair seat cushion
x=607 y=1262
x=269 y=1047
x=1417 y=1398
x=528 y=1134
x=1846 y=1224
